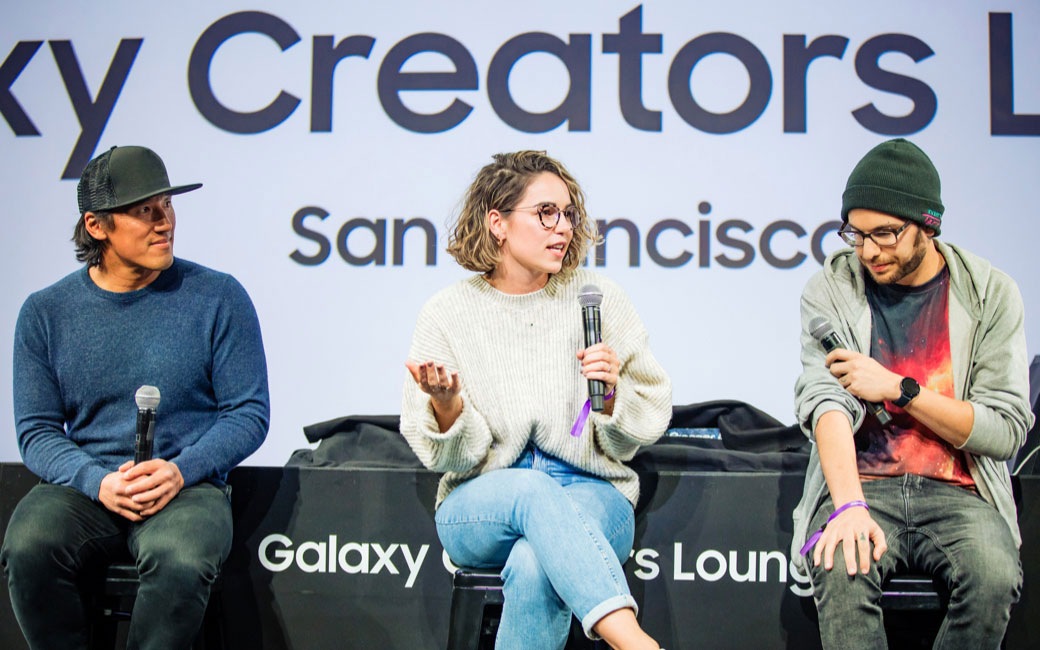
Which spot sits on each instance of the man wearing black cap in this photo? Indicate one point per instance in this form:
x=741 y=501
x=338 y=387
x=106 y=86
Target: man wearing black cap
x=133 y=316
x=934 y=335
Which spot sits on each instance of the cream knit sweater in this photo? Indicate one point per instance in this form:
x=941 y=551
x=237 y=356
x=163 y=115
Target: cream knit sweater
x=521 y=381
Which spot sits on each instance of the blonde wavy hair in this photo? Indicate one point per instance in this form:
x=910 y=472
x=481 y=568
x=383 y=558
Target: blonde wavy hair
x=499 y=186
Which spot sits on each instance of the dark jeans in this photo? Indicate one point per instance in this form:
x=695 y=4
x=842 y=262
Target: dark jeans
x=931 y=528
x=57 y=537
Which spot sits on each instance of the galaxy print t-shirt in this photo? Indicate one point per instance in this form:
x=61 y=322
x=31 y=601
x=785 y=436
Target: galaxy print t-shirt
x=910 y=336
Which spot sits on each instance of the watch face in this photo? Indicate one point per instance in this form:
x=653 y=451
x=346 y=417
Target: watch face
x=909 y=389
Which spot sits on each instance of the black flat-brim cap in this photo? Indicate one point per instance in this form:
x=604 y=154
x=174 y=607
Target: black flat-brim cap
x=123 y=176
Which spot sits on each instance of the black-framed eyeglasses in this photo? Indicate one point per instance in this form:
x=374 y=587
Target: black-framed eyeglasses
x=883 y=237
x=549 y=214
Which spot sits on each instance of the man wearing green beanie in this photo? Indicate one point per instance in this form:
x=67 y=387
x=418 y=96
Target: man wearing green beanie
x=914 y=388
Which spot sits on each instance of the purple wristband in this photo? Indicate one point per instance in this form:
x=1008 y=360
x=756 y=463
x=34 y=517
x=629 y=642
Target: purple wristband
x=815 y=537
x=579 y=424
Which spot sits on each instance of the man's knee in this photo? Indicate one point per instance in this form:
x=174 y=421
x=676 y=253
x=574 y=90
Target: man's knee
x=29 y=546
x=179 y=565
x=990 y=578
x=837 y=588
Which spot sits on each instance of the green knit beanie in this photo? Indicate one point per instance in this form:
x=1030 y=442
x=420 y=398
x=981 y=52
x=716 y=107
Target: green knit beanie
x=896 y=178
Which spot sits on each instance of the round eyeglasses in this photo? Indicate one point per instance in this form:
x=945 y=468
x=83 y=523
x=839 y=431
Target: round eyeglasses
x=883 y=237
x=549 y=214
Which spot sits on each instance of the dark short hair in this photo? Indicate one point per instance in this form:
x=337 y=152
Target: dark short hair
x=88 y=249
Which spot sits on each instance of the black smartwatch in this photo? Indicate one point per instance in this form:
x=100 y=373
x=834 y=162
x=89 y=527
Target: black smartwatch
x=908 y=390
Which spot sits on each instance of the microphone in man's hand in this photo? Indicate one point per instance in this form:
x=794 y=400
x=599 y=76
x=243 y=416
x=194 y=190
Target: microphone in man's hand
x=590 y=297
x=823 y=332
x=147 y=398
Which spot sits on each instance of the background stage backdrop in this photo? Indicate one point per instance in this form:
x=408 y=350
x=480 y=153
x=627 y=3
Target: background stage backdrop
x=336 y=139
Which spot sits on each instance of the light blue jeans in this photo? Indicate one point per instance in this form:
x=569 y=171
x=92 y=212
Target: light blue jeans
x=933 y=528
x=560 y=534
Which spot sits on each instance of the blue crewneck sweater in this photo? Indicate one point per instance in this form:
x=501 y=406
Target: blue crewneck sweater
x=81 y=353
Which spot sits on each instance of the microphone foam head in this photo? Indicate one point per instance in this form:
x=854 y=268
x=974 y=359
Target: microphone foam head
x=590 y=296
x=147 y=397
x=820 y=327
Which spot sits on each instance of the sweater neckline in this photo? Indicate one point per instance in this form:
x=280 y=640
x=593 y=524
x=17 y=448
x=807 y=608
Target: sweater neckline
x=485 y=288
x=161 y=282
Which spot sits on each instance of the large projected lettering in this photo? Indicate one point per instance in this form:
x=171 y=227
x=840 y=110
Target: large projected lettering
x=372 y=230
x=93 y=114
x=630 y=44
x=669 y=243
x=457 y=78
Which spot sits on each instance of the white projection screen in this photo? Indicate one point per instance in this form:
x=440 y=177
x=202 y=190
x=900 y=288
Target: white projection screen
x=335 y=141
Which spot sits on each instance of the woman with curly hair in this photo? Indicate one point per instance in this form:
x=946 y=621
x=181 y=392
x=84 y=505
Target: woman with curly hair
x=534 y=483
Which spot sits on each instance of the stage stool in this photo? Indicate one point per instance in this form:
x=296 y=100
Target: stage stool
x=914 y=608
x=113 y=602
x=476 y=607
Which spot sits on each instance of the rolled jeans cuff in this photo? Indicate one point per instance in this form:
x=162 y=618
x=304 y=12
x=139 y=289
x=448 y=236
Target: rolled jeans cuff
x=612 y=604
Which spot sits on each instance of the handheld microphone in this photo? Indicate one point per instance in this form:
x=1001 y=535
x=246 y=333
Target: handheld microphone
x=823 y=332
x=147 y=398
x=590 y=297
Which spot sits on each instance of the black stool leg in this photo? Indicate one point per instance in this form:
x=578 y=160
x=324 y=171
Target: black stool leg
x=474 y=618
x=102 y=633
x=476 y=607
x=111 y=602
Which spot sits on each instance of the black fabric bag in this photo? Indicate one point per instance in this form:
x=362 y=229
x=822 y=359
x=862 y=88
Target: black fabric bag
x=356 y=441
x=748 y=440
